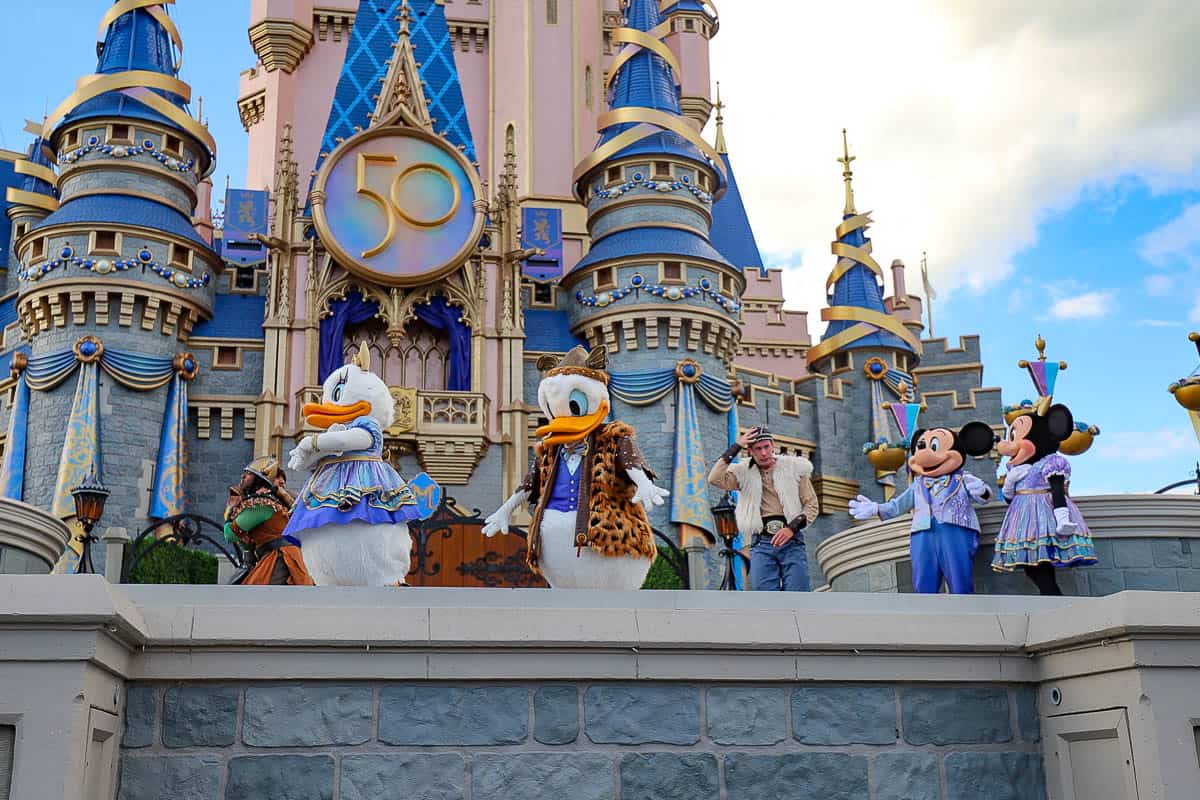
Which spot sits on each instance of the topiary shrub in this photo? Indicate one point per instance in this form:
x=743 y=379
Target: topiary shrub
x=661 y=576
x=170 y=563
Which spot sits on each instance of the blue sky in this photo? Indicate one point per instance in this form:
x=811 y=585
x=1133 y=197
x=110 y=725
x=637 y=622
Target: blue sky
x=1067 y=207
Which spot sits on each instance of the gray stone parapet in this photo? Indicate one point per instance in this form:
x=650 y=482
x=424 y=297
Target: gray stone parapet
x=223 y=692
x=31 y=530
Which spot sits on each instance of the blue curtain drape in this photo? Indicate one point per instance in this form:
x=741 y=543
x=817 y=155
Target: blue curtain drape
x=169 y=496
x=13 y=479
x=350 y=311
x=440 y=315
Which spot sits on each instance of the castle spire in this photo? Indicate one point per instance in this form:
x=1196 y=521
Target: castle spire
x=847 y=174
x=721 y=148
x=645 y=116
x=856 y=315
x=139 y=55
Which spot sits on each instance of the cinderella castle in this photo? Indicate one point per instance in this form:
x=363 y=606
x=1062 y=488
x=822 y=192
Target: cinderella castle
x=466 y=186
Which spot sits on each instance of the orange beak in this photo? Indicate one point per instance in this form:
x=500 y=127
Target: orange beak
x=320 y=415
x=568 y=430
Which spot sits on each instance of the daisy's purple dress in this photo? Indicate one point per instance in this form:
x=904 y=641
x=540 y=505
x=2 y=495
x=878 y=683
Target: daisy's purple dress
x=355 y=486
x=1029 y=534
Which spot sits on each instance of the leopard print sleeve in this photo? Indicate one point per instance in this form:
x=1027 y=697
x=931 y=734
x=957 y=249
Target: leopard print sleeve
x=629 y=456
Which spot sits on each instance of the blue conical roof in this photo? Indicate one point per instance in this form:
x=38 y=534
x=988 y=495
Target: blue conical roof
x=37 y=155
x=646 y=81
x=134 y=41
x=859 y=288
x=731 y=232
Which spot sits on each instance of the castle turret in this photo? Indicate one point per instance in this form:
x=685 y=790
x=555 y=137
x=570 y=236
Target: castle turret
x=113 y=279
x=856 y=314
x=653 y=289
x=691 y=24
x=30 y=197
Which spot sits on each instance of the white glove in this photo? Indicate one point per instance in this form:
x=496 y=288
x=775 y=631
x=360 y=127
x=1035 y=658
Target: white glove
x=976 y=488
x=498 y=521
x=1063 y=517
x=863 y=507
x=302 y=455
x=647 y=493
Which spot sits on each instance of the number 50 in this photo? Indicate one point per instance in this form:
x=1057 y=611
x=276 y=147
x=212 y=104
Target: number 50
x=390 y=205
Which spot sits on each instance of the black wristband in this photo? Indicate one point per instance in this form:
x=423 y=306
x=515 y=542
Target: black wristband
x=730 y=454
x=798 y=524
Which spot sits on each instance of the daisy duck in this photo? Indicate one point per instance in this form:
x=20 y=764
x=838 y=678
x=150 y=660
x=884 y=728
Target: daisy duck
x=352 y=514
x=940 y=493
x=589 y=484
x=1042 y=529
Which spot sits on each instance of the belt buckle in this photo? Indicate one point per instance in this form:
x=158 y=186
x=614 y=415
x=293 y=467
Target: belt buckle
x=774 y=526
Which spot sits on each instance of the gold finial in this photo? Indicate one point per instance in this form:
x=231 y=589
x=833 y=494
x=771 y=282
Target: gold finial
x=362 y=359
x=721 y=148
x=1040 y=344
x=1194 y=337
x=847 y=174
x=404 y=18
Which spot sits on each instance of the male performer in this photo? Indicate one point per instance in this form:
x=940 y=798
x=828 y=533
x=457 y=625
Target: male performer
x=776 y=502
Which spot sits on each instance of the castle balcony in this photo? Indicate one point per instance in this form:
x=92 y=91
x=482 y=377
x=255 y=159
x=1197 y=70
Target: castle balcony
x=448 y=430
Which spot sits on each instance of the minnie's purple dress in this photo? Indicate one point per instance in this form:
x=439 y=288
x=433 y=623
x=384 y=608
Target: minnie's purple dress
x=1029 y=534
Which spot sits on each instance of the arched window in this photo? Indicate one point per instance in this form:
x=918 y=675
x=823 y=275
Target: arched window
x=587 y=85
x=510 y=139
x=551 y=12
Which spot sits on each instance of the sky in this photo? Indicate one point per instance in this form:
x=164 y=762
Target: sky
x=1045 y=155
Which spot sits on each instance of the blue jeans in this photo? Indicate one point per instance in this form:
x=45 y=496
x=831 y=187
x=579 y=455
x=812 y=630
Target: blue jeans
x=775 y=569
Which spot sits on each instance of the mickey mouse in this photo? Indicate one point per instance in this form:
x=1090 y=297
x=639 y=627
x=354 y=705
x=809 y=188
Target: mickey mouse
x=945 y=529
x=1042 y=528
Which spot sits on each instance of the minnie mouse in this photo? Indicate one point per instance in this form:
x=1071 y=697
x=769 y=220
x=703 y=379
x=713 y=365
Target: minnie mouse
x=1042 y=528
x=945 y=529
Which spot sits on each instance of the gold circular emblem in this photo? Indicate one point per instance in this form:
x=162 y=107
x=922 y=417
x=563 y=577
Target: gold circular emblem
x=398 y=206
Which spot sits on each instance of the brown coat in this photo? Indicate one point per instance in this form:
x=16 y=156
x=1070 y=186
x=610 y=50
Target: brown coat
x=607 y=521
x=280 y=565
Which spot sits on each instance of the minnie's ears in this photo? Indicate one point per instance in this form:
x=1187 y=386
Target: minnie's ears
x=976 y=439
x=1060 y=422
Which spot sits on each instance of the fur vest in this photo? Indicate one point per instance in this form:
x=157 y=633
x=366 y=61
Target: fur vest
x=785 y=475
x=608 y=521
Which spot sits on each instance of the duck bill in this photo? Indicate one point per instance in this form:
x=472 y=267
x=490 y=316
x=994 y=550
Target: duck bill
x=568 y=430
x=322 y=415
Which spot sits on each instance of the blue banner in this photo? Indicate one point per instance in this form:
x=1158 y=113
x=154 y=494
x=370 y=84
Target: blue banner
x=246 y=212
x=541 y=228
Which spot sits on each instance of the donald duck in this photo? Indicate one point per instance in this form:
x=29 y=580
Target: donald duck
x=352 y=514
x=589 y=484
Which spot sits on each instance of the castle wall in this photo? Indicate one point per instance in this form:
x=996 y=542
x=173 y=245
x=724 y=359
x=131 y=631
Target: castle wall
x=582 y=739
x=453 y=693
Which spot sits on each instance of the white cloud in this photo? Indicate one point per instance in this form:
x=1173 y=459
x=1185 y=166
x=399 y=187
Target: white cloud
x=1157 y=323
x=1176 y=241
x=1159 y=285
x=971 y=121
x=1084 y=306
x=1135 y=446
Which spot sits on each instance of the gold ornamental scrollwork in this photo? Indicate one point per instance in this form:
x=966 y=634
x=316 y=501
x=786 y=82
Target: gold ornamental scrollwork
x=406 y=410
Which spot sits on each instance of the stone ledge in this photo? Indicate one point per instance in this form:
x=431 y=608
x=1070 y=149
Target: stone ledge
x=32 y=530
x=169 y=633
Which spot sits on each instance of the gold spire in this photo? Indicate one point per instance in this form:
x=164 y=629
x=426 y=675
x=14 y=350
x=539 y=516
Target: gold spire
x=405 y=18
x=721 y=148
x=847 y=174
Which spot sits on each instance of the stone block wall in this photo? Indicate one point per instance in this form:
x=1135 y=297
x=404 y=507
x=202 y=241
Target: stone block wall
x=603 y=741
